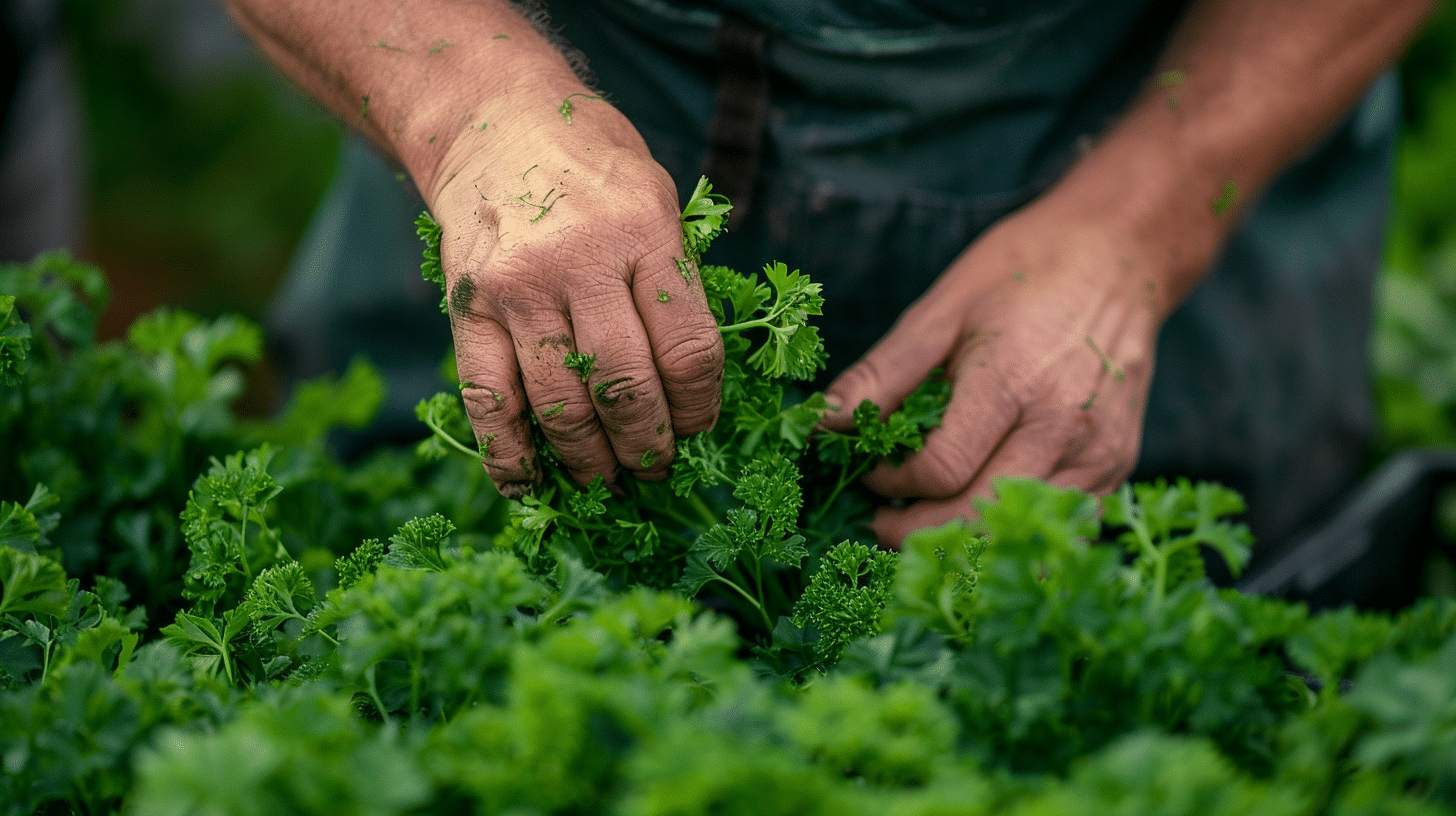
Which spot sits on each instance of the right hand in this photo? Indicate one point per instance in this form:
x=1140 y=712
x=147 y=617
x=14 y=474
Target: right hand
x=562 y=237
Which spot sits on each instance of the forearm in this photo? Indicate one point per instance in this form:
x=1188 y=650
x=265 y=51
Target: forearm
x=1242 y=88
x=413 y=75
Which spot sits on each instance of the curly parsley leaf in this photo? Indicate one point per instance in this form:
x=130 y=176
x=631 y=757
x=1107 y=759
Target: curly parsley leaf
x=279 y=594
x=225 y=505
x=430 y=269
x=703 y=218
x=793 y=348
x=846 y=595
x=418 y=544
x=1167 y=523
x=14 y=342
x=362 y=561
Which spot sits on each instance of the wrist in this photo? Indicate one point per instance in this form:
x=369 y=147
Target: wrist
x=1167 y=199
x=482 y=102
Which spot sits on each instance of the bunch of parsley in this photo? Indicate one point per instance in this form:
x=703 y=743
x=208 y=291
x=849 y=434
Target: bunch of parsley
x=759 y=509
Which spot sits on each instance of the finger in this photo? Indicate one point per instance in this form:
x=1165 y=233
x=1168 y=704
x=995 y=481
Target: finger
x=892 y=524
x=683 y=336
x=1098 y=470
x=981 y=413
x=623 y=386
x=1025 y=453
x=490 y=386
x=920 y=341
x=558 y=395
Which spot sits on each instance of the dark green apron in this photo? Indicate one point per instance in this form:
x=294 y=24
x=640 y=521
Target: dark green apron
x=868 y=143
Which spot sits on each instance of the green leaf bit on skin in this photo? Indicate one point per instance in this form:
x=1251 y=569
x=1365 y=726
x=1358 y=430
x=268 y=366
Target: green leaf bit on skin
x=581 y=363
x=1107 y=364
x=544 y=207
x=1173 y=80
x=663 y=296
x=607 y=399
x=553 y=410
x=649 y=458
x=1227 y=198
x=566 y=107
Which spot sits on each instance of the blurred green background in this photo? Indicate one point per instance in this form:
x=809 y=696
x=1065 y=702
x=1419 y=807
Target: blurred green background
x=204 y=166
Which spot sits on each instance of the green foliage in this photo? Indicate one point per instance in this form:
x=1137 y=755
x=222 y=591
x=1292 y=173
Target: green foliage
x=936 y=577
x=27 y=527
x=793 y=348
x=703 y=218
x=225 y=504
x=580 y=362
x=1059 y=655
x=320 y=405
x=1413 y=708
x=430 y=269
x=844 y=598
x=14 y=343
x=750 y=503
x=1167 y=524
x=1412 y=342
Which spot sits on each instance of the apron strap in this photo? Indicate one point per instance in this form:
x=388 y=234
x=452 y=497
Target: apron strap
x=735 y=135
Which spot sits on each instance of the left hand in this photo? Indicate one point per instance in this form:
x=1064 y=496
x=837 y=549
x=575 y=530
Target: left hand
x=1047 y=326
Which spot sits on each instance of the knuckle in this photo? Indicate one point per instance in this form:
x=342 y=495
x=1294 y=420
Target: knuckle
x=1114 y=459
x=484 y=405
x=567 y=420
x=942 y=471
x=624 y=399
x=691 y=360
x=650 y=464
x=512 y=471
x=513 y=287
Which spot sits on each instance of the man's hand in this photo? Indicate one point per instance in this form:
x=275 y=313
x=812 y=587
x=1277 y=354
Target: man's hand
x=1047 y=326
x=1048 y=322
x=563 y=238
x=560 y=234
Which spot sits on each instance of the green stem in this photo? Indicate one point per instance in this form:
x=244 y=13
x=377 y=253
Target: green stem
x=780 y=596
x=768 y=625
x=760 y=323
x=374 y=693
x=844 y=481
x=243 y=546
x=440 y=432
x=305 y=621
x=227 y=665
x=758 y=584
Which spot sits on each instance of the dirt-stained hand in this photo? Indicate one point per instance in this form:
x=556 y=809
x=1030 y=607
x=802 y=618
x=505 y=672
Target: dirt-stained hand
x=1047 y=325
x=561 y=248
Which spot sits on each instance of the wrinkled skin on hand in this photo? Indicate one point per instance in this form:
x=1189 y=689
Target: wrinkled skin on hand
x=1047 y=326
x=563 y=237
